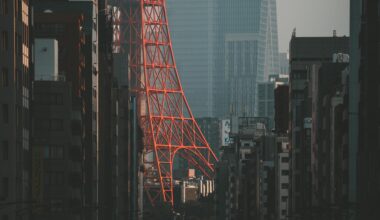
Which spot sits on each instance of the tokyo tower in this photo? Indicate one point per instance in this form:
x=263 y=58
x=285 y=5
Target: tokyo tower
x=168 y=125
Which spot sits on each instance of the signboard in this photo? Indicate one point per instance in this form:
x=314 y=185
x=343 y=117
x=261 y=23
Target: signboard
x=226 y=129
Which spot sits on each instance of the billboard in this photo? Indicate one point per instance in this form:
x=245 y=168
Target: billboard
x=226 y=129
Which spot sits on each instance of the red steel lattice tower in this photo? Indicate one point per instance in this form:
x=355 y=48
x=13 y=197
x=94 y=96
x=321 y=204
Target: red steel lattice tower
x=168 y=126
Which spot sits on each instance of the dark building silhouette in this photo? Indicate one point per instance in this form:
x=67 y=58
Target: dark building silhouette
x=329 y=158
x=89 y=96
x=281 y=113
x=15 y=72
x=64 y=81
x=245 y=175
x=369 y=119
x=353 y=98
x=304 y=52
x=83 y=30
x=107 y=117
x=57 y=151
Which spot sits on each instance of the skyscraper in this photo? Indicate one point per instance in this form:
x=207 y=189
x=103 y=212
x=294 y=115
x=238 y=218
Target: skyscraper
x=246 y=52
x=303 y=53
x=265 y=97
x=90 y=125
x=193 y=32
x=14 y=108
x=368 y=180
x=284 y=63
x=223 y=51
x=353 y=117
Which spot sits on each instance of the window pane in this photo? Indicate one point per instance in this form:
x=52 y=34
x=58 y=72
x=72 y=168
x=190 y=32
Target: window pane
x=285 y=159
x=5 y=150
x=46 y=152
x=5 y=113
x=285 y=172
x=4 y=40
x=4 y=7
x=4 y=77
x=284 y=185
x=5 y=187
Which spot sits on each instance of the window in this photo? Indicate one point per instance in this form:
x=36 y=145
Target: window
x=95 y=25
x=56 y=205
x=284 y=198
x=285 y=159
x=94 y=47
x=4 y=40
x=5 y=150
x=18 y=45
x=56 y=124
x=4 y=7
x=54 y=178
x=50 y=124
x=4 y=77
x=5 y=187
x=283 y=212
x=53 y=152
x=48 y=99
x=5 y=113
x=285 y=186
x=285 y=172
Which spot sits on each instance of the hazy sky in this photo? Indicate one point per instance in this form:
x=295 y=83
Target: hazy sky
x=311 y=18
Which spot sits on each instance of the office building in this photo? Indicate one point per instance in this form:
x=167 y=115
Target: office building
x=57 y=151
x=265 y=97
x=193 y=39
x=226 y=185
x=265 y=101
x=282 y=172
x=240 y=174
x=266 y=173
x=211 y=128
x=58 y=115
x=304 y=52
x=107 y=94
x=87 y=81
x=284 y=63
x=281 y=105
x=246 y=53
x=353 y=117
x=368 y=147
x=15 y=71
x=328 y=157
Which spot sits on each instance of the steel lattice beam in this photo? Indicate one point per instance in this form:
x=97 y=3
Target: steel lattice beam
x=168 y=125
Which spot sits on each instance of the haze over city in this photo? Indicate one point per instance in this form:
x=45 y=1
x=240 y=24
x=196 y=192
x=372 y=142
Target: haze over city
x=189 y=109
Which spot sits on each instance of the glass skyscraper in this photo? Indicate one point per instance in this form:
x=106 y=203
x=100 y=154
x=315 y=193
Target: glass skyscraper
x=223 y=48
x=246 y=53
x=192 y=30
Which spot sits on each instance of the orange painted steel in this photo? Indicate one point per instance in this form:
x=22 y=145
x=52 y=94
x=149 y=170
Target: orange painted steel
x=165 y=117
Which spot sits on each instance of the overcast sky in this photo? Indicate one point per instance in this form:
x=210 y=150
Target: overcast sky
x=311 y=18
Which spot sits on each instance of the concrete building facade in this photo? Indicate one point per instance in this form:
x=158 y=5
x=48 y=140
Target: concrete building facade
x=282 y=171
x=57 y=151
x=281 y=105
x=15 y=92
x=369 y=103
x=85 y=82
x=328 y=165
x=266 y=97
x=304 y=52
